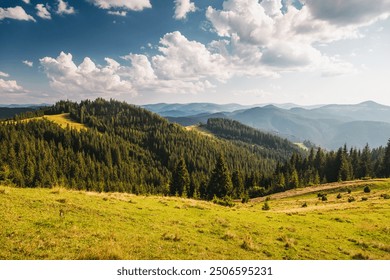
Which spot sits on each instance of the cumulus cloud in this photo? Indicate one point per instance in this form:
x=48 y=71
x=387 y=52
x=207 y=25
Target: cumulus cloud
x=185 y=59
x=28 y=63
x=42 y=11
x=17 y=13
x=64 y=8
x=182 y=8
x=348 y=12
x=267 y=37
x=181 y=66
x=26 y=1
x=2 y=74
x=10 y=86
x=86 y=79
x=134 y=5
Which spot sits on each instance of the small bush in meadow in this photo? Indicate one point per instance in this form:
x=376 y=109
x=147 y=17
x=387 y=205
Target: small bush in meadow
x=245 y=198
x=385 y=196
x=304 y=204
x=265 y=206
x=351 y=199
x=226 y=201
x=339 y=196
x=349 y=191
x=367 y=189
x=364 y=198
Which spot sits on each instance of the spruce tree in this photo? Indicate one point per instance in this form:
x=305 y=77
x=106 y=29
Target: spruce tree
x=238 y=185
x=180 y=179
x=220 y=183
x=386 y=161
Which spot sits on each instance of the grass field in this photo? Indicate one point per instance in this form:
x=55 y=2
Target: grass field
x=62 y=224
x=61 y=119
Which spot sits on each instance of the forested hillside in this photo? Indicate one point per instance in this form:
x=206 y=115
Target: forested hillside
x=233 y=130
x=341 y=165
x=125 y=148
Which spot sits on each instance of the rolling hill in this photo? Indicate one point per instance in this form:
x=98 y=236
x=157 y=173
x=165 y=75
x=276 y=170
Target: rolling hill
x=329 y=126
x=124 y=148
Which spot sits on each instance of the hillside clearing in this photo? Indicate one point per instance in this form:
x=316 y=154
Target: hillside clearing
x=62 y=120
x=63 y=224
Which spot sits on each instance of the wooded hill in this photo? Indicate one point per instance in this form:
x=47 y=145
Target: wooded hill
x=124 y=148
x=121 y=147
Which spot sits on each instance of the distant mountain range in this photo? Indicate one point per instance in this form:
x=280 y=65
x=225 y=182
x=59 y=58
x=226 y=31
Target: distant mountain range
x=329 y=126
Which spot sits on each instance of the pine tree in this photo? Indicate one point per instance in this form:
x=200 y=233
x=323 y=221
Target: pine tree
x=386 y=161
x=365 y=162
x=180 y=179
x=238 y=185
x=220 y=183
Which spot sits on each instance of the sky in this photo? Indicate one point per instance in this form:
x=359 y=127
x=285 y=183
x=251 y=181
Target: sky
x=180 y=51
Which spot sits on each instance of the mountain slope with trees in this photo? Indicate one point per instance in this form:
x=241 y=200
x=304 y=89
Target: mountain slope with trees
x=125 y=148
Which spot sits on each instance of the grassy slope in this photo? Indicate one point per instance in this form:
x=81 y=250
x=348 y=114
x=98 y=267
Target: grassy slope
x=63 y=120
x=123 y=226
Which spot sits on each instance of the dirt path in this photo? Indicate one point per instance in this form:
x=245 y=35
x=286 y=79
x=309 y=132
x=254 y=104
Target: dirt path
x=301 y=191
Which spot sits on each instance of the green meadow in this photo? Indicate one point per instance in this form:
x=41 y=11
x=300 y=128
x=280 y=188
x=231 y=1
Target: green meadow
x=63 y=224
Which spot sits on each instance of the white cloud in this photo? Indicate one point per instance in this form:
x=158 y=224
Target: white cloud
x=42 y=11
x=182 y=8
x=64 y=8
x=28 y=63
x=264 y=39
x=117 y=13
x=17 y=13
x=184 y=59
x=182 y=66
x=2 y=74
x=86 y=79
x=134 y=5
x=26 y=1
x=10 y=87
x=347 y=12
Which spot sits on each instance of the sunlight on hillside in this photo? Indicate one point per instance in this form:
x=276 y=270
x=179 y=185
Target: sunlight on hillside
x=63 y=120
x=200 y=130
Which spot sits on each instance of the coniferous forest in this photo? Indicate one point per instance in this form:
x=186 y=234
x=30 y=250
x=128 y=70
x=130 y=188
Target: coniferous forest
x=125 y=148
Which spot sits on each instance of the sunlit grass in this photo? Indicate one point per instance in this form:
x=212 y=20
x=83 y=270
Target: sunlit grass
x=63 y=120
x=62 y=224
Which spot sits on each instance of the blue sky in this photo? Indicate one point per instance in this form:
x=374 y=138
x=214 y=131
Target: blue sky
x=222 y=51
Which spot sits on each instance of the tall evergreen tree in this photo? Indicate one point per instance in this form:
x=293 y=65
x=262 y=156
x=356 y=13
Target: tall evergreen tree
x=180 y=184
x=238 y=184
x=220 y=183
x=386 y=161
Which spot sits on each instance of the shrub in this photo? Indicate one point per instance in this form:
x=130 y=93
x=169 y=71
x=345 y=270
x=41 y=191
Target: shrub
x=367 y=189
x=226 y=201
x=245 y=199
x=351 y=199
x=265 y=206
x=385 y=196
x=364 y=198
x=304 y=204
x=324 y=198
x=339 y=196
x=349 y=190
